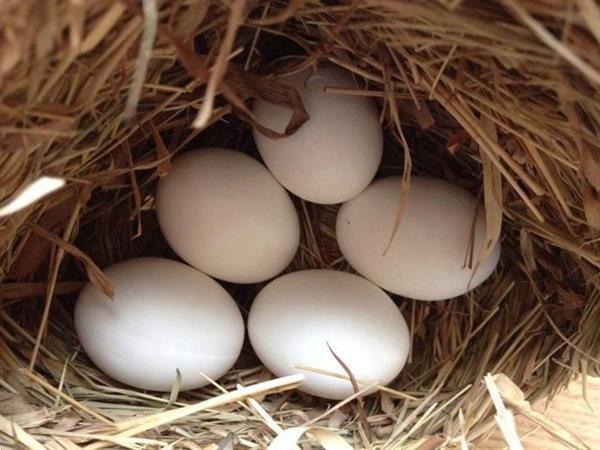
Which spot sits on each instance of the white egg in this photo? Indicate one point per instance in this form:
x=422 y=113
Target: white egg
x=297 y=316
x=223 y=212
x=164 y=316
x=336 y=153
x=426 y=258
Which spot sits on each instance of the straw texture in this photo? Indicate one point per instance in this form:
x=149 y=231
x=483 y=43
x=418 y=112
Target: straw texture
x=501 y=97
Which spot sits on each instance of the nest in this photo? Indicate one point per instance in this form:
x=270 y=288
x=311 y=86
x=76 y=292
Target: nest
x=495 y=96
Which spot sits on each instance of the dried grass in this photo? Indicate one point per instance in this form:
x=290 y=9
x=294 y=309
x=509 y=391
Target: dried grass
x=500 y=97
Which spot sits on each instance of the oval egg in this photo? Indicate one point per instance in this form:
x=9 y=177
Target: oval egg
x=427 y=256
x=223 y=212
x=298 y=317
x=336 y=153
x=164 y=316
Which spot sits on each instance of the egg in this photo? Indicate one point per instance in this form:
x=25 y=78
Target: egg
x=335 y=154
x=297 y=317
x=165 y=316
x=223 y=213
x=426 y=258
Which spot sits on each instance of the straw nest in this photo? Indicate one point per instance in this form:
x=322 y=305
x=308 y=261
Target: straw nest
x=500 y=97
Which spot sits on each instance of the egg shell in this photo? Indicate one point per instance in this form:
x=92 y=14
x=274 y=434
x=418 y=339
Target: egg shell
x=223 y=212
x=426 y=258
x=164 y=316
x=336 y=153
x=295 y=317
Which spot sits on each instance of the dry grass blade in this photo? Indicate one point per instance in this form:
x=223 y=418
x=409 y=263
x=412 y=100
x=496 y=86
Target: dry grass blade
x=264 y=415
x=504 y=418
x=366 y=429
x=406 y=173
x=591 y=206
x=282 y=16
x=136 y=426
x=43 y=383
x=32 y=193
x=591 y=14
x=12 y=429
x=326 y=438
x=492 y=194
x=552 y=42
x=102 y=27
x=432 y=443
x=163 y=153
x=514 y=396
x=346 y=401
x=23 y=290
x=53 y=277
x=148 y=36
x=94 y=273
x=220 y=66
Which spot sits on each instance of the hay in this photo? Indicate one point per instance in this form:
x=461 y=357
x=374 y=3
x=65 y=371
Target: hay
x=500 y=97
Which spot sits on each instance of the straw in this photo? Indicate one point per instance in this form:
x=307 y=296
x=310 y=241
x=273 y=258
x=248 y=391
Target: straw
x=501 y=98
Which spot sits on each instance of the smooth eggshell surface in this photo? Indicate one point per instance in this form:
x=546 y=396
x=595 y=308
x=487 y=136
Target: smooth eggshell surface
x=426 y=258
x=335 y=154
x=165 y=316
x=296 y=316
x=223 y=212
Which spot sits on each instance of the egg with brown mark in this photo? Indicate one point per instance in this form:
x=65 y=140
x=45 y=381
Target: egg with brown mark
x=336 y=153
